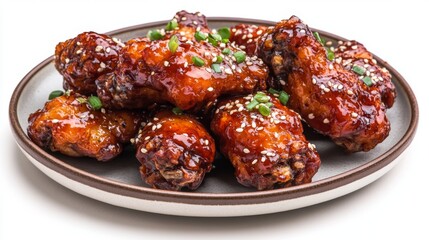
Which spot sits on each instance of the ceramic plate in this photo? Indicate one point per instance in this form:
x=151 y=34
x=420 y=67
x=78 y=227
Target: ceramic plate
x=118 y=182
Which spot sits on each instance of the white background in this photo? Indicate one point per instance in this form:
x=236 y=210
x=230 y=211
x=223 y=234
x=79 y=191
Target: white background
x=33 y=206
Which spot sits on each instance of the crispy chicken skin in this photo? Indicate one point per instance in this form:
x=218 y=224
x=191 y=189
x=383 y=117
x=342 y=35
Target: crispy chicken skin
x=81 y=60
x=175 y=151
x=246 y=36
x=331 y=99
x=266 y=152
x=149 y=72
x=351 y=54
x=69 y=125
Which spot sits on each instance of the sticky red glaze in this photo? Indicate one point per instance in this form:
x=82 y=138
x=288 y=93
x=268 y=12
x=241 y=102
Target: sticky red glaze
x=353 y=53
x=149 y=72
x=75 y=129
x=331 y=99
x=266 y=152
x=247 y=36
x=81 y=60
x=175 y=151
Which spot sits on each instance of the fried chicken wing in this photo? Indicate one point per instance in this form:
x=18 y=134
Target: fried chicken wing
x=356 y=58
x=69 y=125
x=195 y=73
x=266 y=151
x=331 y=99
x=246 y=36
x=81 y=60
x=175 y=151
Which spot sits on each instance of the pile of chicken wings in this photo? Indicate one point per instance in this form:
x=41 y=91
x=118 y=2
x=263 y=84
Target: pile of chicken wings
x=183 y=92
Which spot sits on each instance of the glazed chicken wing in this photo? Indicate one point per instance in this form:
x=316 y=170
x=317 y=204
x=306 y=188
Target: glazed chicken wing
x=69 y=125
x=331 y=99
x=246 y=37
x=175 y=151
x=81 y=60
x=267 y=151
x=356 y=58
x=185 y=72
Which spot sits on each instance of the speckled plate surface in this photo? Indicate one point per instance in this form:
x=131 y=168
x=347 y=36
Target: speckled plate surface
x=118 y=182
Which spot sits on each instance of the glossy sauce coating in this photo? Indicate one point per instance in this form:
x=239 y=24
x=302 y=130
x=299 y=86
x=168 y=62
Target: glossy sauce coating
x=266 y=151
x=69 y=125
x=175 y=151
x=148 y=72
x=247 y=37
x=331 y=99
x=81 y=60
x=351 y=54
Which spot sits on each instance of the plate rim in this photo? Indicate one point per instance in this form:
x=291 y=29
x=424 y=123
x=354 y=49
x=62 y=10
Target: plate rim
x=198 y=198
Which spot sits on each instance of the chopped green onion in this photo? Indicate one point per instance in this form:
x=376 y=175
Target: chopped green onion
x=212 y=42
x=330 y=54
x=215 y=36
x=269 y=104
x=200 y=36
x=55 y=94
x=261 y=97
x=68 y=92
x=154 y=35
x=367 y=81
x=173 y=44
x=171 y=25
x=224 y=40
x=219 y=59
x=264 y=110
x=226 y=51
x=198 y=61
x=81 y=100
x=95 y=102
x=318 y=38
x=273 y=91
x=240 y=56
x=358 y=70
x=177 y=111
x=283 y=97
x=216 y=67
x=252 y=104
x=224 y=32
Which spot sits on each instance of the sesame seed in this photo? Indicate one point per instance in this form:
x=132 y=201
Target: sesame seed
x=260 y=128
x=67 y=60
x=349 y=92
x=253 y=125
x=249 y=35
x=184 y=18
x=143 y=150
x=302 y=31
x=195 y=22
x=282 y=82
x=233 y=30
x=55 y=120
x=149 y=124
x=166 y=63
x=153 y=127
x=355 y=115
x=325 y=120
x=243 y=125
x=210 y=89
x=263 y=152
x=314 y=81
x=159 y=125
x=340 y=86
x=98 y=48
x=326 y=90
x=79 y=51
x=103 y=110
x=239 y=130
x=263 y=159
x=254 y=161
x=276 y=135
x=208 y=69
x=246 y=150
x=228 y=71
x=102 y=65
x=354 y=47
x=271 y=154
x=259 y=32
x=206 y=142
x=331 y=66
x=283 y=117
x=185 y=64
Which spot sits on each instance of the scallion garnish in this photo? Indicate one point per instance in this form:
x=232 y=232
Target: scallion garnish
x=358 y=70
x=200 y=36
x=261 y=97
x=226 y=51
x=173 y=44
x=219 y=59
x=171 y=25
x=198 y=61
x=54 y=94
x=330 y=54
x=216 y=67
x=224 y=32
x=273 y=91
x=318 y=38
x=81 y=100
x=95 y=102
x=283 y=97
x=240 y=56
x=264 y=110
x=224 y=40
x=177 y=111
x=154 y=35
x=252 y=104
x=215 y=36
x=367 y=81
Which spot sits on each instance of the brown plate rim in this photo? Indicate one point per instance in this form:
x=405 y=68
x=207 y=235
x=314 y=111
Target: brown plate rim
x=255 y=197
